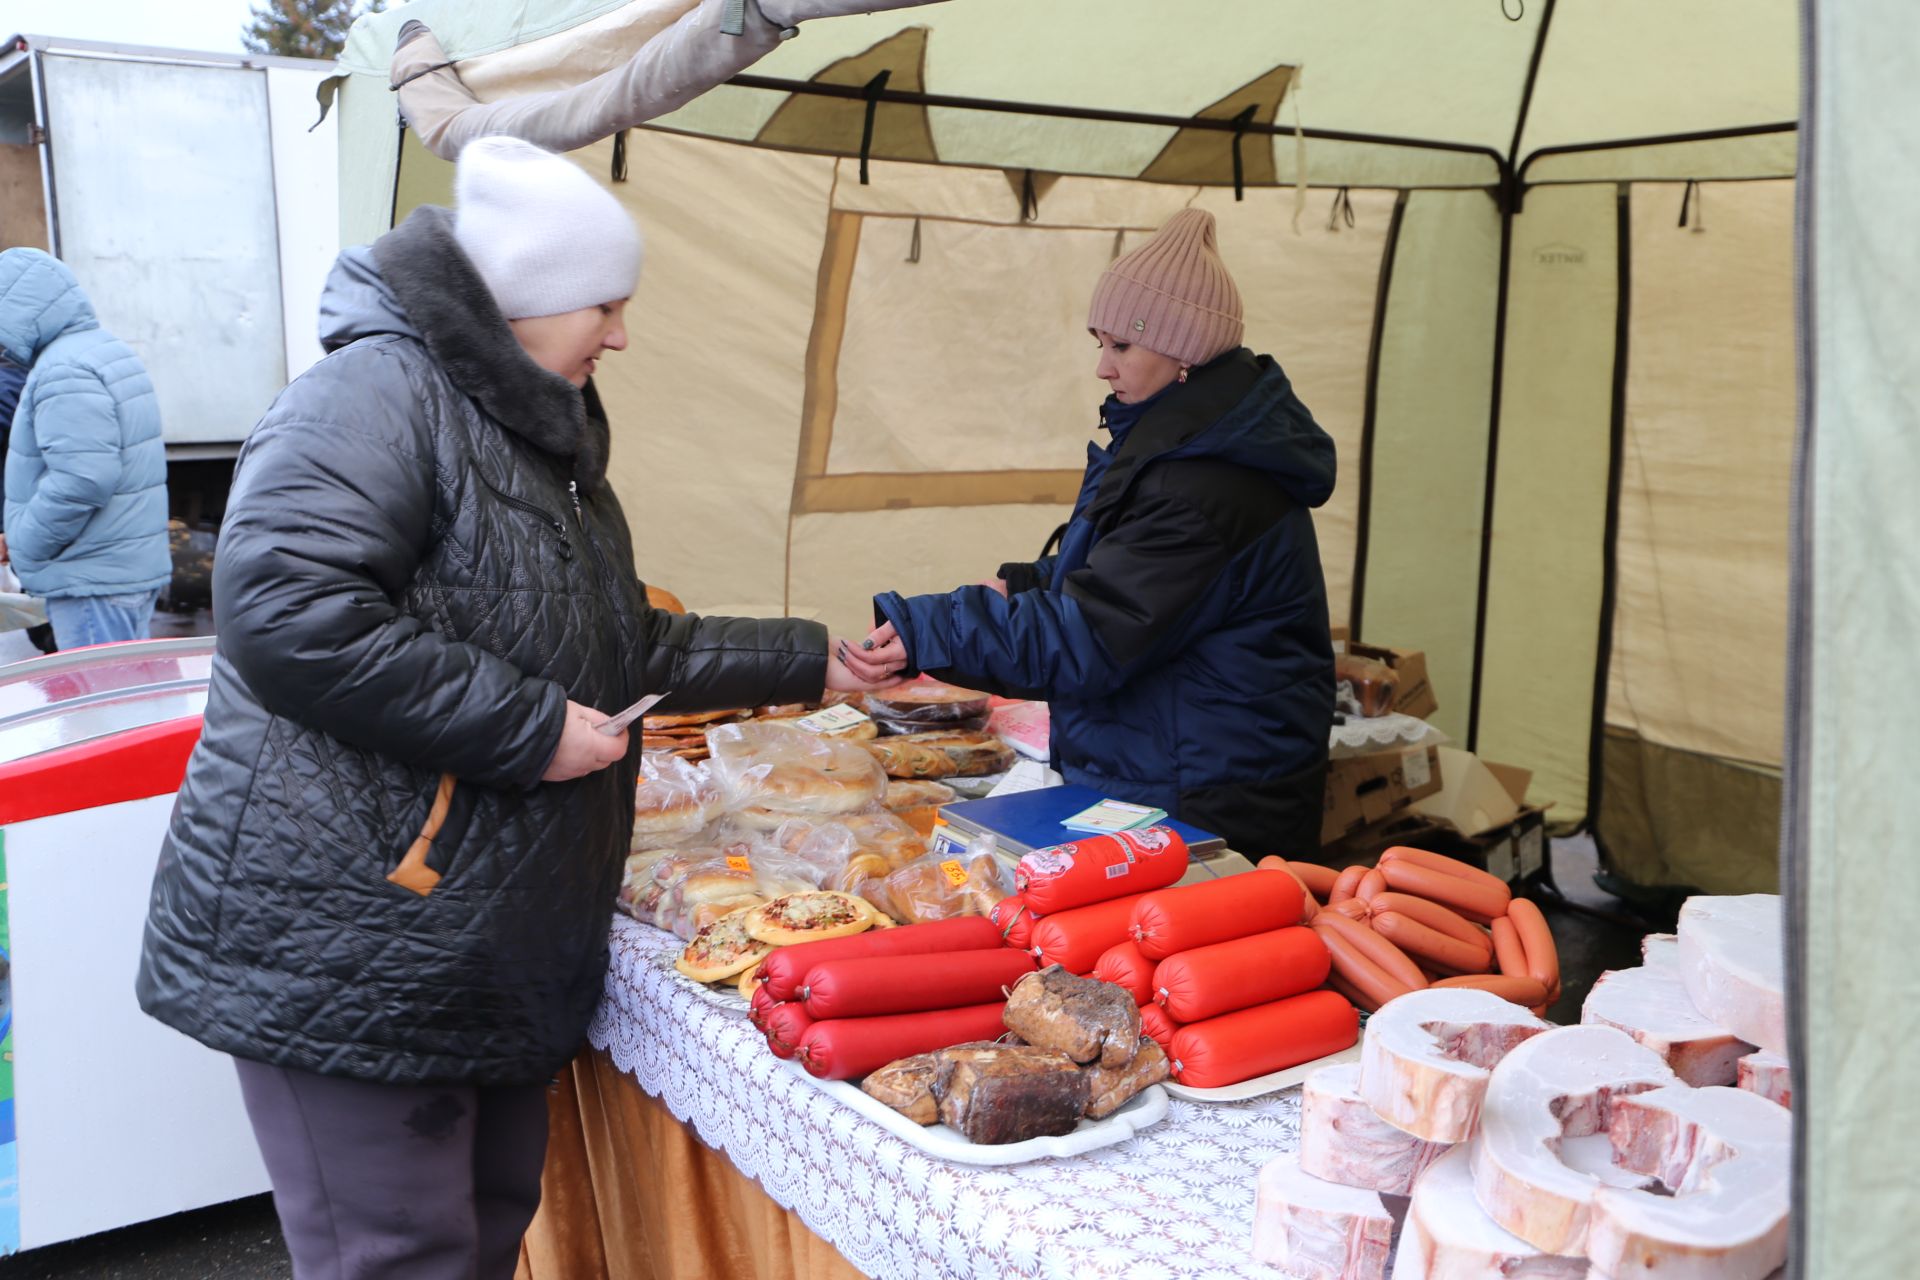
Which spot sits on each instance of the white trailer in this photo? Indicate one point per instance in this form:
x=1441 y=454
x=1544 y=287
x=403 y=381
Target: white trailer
x=196 y=202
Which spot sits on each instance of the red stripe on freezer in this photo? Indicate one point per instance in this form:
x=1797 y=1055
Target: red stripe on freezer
x=136 y=764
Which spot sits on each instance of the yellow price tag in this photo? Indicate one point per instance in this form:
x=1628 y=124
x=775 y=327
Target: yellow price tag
x=956 y=874
x=737 y=862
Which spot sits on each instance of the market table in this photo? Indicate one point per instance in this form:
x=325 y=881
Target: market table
x=629 y=1192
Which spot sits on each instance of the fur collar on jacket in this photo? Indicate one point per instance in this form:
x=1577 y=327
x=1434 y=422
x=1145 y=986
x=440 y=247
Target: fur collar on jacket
x=445 y=299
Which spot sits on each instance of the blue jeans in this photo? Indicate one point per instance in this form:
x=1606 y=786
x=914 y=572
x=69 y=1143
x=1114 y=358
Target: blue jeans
x=79 y=621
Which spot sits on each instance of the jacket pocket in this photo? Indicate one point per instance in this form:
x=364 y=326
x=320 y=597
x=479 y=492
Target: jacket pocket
x=552 y=523
x=417 y=870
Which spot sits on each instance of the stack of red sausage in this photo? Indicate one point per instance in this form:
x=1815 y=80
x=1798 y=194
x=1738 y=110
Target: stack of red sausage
x=1225 y=976
x=1073 y=901
x=848 y=1006
x=1421 y=919
x=1229 y=980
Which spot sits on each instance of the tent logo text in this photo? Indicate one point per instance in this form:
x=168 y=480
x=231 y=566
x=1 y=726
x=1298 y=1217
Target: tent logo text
x=1560 y=255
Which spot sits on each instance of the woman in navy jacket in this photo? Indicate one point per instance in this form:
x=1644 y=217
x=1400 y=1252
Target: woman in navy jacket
x=1180 y=633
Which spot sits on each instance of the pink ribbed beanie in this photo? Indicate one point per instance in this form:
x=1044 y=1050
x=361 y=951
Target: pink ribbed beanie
x=1172 y=294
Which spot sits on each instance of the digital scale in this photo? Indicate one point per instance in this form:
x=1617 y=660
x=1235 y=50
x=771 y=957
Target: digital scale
x=1029 y=820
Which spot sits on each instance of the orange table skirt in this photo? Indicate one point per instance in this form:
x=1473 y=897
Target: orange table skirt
x=631 y=1194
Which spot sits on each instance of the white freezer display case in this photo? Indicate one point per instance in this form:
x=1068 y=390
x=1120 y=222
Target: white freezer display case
x=106 y=1117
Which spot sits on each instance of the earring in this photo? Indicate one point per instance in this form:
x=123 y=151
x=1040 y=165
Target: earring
x=1183 y=374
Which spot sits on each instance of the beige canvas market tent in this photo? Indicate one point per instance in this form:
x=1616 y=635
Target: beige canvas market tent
x=1564 y=418
x=1532 y=264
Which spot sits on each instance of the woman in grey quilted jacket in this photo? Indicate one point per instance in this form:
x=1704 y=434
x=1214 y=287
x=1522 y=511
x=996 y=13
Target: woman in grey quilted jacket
x=423 y=575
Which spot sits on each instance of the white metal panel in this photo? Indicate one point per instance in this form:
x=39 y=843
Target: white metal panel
x=306 y=187
x=120 y=1118
x=164 y=193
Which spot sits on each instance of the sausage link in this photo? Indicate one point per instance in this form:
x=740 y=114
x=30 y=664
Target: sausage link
x=1389 y=958
x=1471 y=898
x=1318 y=879
x=1536 y=939
x=1507 y=949
x=1431 y=945
x=1525 y=992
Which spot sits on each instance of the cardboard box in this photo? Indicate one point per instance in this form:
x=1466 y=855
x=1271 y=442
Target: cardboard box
x=1516 y=852
x=1363 y=790
x=1476 y=796
x=1413 y=693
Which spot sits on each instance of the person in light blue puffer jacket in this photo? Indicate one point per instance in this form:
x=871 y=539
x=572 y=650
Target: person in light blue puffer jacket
x=86 y=470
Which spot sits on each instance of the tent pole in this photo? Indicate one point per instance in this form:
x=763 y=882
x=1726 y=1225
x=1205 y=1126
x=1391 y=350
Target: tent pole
x=1365 y=509
x=1610 y=547
x=1796 y=819
x=906 y=97
x=1655 y=140
x=1493 y=464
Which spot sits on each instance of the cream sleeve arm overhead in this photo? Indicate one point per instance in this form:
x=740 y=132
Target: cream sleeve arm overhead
x=685 y=60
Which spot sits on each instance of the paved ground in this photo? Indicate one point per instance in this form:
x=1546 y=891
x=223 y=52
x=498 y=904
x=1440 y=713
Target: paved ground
x=241 y=1241
x=238 y=1241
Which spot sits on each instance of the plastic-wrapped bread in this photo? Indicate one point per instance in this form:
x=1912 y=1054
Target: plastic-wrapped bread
x=1723 y=1158
x=1317 y=1230
x=1343 y=1141
x=1651 y=1005
x=1427 y=1056
x=1532 y=1171
x=1768 y=1074
x=1448 y=1236
x=1732 y=958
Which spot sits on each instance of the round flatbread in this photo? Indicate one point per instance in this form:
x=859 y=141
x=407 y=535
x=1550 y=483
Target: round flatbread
x=910 y=793
x=973 y=754
x=925 y=694
x=750 y=981
x=809 y=917
x=723 y=949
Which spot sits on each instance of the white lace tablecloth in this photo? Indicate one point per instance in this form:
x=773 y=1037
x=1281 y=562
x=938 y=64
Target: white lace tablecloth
x=1359 y=737
x=1172 y=1203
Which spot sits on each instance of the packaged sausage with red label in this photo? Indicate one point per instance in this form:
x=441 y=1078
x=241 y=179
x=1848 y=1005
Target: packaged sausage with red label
x=1014 y=920
x=784 y=1024
x=1125 y=967
x=843 y=1048
x=786 y=969
x=1100 y=868
x=1269 y=1037
x=1208 y=981
x=1154 y=1022
x=911 y=984
x=1075 y=939
x=1197 y=915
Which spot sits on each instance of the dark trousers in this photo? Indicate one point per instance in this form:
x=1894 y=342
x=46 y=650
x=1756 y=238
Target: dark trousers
x=373 y=1181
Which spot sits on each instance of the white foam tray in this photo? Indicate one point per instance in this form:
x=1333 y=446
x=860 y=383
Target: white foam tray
x=1148 y=1107
x=1272 y=1082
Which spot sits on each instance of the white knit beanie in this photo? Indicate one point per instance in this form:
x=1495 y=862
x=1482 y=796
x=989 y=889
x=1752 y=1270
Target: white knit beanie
x=544 y=236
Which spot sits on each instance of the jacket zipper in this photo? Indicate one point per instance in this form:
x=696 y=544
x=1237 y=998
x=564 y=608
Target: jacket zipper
x=610 y=586
x=547 y=518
